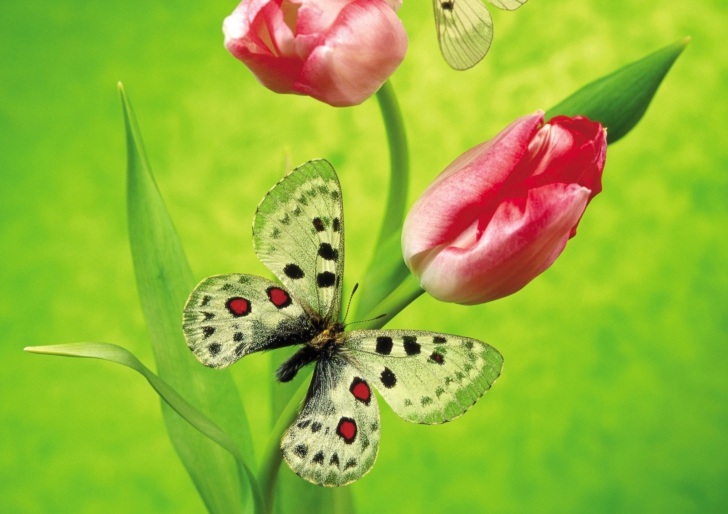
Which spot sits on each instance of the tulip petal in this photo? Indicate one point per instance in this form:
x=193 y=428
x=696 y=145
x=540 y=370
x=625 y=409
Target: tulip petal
x=522 y=239
x=257 y=34
x=467 y=187
x=317 y=16
x=363 y=48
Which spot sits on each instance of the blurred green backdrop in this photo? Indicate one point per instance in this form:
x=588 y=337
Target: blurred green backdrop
x=613 y=395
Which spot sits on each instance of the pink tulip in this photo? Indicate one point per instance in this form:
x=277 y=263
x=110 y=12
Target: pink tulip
x=337 y=51
x=502 y=212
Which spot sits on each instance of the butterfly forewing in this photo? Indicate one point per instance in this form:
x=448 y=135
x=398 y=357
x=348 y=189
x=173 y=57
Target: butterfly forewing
x=229 y=316
x=298 y=233
x=335 y=439
x=509 y=5
x=464 y=30
x=426 y=377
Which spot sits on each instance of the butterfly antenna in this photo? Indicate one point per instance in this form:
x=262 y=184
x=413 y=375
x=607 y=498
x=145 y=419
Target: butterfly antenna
x=351 y=297
x=365 y=320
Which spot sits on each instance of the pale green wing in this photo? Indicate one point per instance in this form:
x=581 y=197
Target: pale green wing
x=464 y=30
x=229 y=316
x=426 y=377
x=335 y=439
x=508 y=5
x=298 y=233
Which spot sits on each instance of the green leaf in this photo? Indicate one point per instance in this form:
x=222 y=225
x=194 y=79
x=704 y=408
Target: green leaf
x=618 y=101
x=194 y=417
x=164 y=280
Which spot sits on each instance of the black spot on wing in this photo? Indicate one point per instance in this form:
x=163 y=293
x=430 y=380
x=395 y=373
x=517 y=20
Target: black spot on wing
x=238 y=337
x=293 y=271
x=384 y=345
x=208 y=331
x=301 y=450
x=389 y=380
x=214 y=349
x=334 y=461
x=208 y=316
x=319 y=457
x=439 y=340
x=318 y=224
x=436 y=357
x=205 y=300
x=304 y=423
x=326 y=279
x=411 y=347
x=327 y=252
x=315 y=427
x=337 y=225
x=351 y=463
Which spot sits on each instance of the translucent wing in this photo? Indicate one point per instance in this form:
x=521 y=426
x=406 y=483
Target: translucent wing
x=229 y=316
x=335 y=439
x=426 y=377
x=509 y=5
x=464 y=29
x=298 y=233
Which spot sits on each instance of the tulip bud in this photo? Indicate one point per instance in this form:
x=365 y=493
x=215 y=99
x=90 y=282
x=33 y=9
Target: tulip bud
x=502 y=212
x=337 y=51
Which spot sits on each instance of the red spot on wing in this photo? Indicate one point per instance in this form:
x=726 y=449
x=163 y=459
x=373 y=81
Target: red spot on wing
x=361 y=391
x=238 y=306
x=347 y=429
x=279 y=297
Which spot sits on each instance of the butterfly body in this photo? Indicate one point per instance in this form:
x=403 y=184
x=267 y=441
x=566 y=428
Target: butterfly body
x=324 y=344
x=426 y=377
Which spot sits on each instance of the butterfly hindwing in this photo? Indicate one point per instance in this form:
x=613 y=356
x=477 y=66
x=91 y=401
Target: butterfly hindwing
x=298 y=233
x=335 y=439
x=464 y=30
x=229 y=316
x=426 y=377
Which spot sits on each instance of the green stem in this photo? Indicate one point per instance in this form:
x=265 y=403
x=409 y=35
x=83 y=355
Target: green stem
x=386 y=267
x=398 y=160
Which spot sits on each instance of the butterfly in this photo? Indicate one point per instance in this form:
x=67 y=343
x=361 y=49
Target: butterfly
x=465 y=29
x=426 y=377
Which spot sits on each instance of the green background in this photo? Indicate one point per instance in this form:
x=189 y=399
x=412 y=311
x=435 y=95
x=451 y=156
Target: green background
x=613 y=395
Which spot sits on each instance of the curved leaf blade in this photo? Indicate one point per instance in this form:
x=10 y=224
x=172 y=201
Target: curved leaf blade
x=119 y=355
x=619 y=100
x=164 y=281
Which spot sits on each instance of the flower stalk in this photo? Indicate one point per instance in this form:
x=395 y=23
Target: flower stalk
x=386 y=269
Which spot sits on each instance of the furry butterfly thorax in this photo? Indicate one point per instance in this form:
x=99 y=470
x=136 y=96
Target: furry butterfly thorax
x=425 y=377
